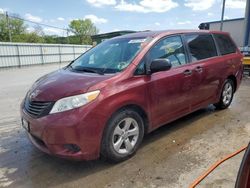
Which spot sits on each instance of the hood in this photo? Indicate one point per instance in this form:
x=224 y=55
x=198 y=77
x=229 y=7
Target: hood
x=63 y=83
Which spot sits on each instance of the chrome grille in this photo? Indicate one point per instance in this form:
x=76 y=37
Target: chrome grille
x=37 y=108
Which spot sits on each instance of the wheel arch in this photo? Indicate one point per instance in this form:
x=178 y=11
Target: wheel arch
x=233 y=78
x=136 y=108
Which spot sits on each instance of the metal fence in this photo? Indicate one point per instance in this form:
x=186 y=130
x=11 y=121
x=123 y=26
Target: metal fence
x=22 y=54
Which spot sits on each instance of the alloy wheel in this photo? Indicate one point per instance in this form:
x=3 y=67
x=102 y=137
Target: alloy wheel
x=227 y=93
x=125 y=135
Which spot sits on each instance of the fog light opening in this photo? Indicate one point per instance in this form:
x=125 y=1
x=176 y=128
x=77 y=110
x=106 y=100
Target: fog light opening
x=72 y=148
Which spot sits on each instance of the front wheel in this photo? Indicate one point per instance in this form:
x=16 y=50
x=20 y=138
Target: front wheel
x=122 y=136
x=226 y=95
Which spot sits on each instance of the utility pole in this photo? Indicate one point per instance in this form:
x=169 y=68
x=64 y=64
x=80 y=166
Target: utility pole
x=247 y=24
x=222 y=15
x=8 y=25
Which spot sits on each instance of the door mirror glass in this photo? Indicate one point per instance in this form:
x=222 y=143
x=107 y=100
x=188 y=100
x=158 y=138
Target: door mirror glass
x=158 y=65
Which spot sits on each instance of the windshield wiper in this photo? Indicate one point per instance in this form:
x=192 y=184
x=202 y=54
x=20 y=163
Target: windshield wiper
x=86 y=69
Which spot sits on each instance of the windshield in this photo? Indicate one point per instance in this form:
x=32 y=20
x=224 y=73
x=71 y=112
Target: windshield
x=110 y=56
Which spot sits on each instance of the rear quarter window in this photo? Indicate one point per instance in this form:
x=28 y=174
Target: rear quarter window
x=201 y=46
x=225 y=44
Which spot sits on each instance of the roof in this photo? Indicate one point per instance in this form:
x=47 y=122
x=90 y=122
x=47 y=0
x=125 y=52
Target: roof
x=110 y=34
x=145 y=34
x=229 y=20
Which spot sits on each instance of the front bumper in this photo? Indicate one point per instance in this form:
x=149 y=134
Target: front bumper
x=80 y=127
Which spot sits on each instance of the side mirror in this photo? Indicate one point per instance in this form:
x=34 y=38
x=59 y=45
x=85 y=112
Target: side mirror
x=158 y=65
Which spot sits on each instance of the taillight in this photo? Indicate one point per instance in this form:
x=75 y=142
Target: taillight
x=241 y=60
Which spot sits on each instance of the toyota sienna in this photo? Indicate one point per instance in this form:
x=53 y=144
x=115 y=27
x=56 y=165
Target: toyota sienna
x=105 y=101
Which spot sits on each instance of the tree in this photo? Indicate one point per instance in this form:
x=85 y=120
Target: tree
x=38 y=30
x=31 y=37
x=18 y=31
x=16 y=27
x=50 y=39
x=36 y=36
x=83 y=28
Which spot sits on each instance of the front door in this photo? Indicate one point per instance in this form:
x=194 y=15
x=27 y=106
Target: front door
x=169 y=91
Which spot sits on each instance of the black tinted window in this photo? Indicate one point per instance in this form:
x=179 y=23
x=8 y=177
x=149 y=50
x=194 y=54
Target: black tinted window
x=225 y=44
x=201 y=46
x=169 y=48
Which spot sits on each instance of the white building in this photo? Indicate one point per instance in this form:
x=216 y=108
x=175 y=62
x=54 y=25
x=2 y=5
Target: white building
x=234 y=26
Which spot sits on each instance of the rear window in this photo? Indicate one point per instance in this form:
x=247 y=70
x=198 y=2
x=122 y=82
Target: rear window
x=225 y=44
x=201 y=46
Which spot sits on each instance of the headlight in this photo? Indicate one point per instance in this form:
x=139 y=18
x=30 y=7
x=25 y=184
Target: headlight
x=72 y=102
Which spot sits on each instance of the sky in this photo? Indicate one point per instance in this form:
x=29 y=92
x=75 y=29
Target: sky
x=114 y=15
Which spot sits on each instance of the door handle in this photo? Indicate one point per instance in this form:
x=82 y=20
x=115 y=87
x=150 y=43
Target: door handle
x=199 y=69
x=187 y=72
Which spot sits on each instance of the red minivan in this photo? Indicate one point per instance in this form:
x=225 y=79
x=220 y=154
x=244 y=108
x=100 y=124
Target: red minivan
x=105 y=101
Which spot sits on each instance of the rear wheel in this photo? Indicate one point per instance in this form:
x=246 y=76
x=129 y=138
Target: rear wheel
x=226 y=95
x=122 y=136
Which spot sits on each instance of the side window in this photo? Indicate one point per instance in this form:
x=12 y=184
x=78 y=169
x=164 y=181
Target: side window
x=169 y=48
x=201 y=46
x=225 y=44
x=140 y=70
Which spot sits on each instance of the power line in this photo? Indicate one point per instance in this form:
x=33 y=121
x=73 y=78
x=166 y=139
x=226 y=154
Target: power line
x=15 y=17
x=12 y=15
x=42 y=24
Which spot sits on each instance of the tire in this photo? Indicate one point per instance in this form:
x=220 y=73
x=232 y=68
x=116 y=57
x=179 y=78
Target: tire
x=227 y=94
x=123 y=135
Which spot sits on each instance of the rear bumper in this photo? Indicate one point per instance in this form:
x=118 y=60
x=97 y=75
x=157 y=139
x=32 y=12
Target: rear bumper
x=239 y=76
x=80 y=127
